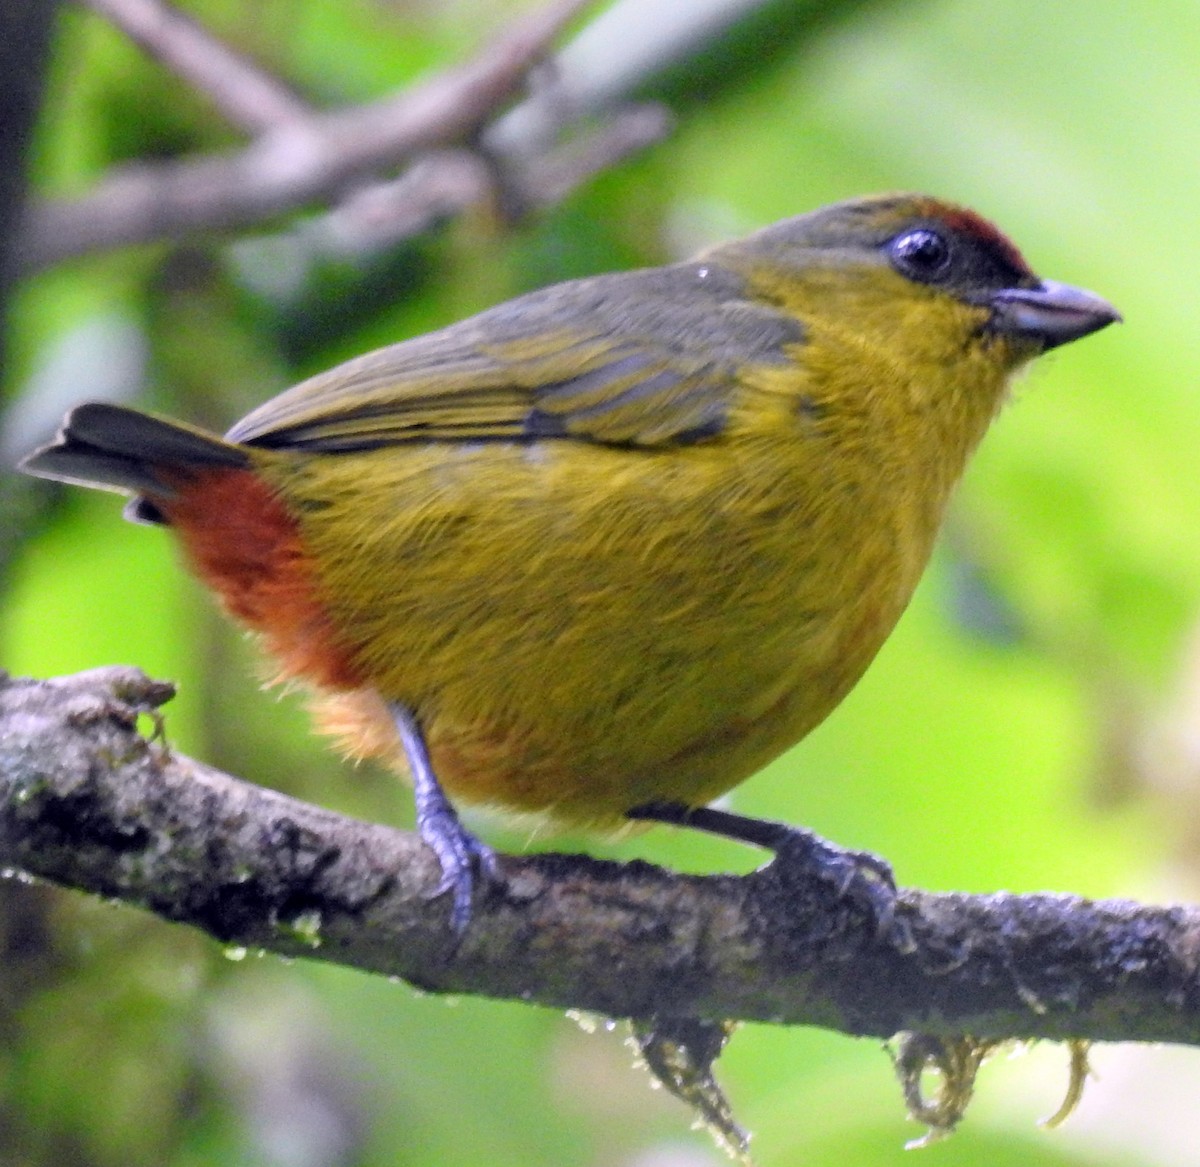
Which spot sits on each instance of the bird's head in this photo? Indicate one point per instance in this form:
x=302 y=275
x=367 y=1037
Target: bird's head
x=920 y=276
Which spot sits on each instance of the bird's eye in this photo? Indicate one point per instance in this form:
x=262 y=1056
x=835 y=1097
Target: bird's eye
x=920 y=254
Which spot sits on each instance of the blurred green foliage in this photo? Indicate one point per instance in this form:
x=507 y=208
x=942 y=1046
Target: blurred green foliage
x=1030 y=725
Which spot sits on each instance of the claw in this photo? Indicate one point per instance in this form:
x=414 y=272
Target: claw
x=860 y=877
x=458 y=851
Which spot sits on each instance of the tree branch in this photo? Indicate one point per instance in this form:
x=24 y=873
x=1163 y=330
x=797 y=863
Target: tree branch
x=88 y=803
x=441 y=183
x=247 y=96
x=296 y=161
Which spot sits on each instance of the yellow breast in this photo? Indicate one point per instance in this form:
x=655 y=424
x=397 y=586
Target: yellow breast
x=582 y=628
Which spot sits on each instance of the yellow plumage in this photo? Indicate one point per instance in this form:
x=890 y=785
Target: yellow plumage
x=582 y=628
x=620 y=541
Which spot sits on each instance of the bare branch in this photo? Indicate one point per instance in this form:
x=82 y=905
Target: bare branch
x=86 y=802
x=442 y=183
x=248 y=96
x=294 y=163
x=551 y=176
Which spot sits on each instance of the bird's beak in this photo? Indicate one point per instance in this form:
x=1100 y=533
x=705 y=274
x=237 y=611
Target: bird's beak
x=1051 y=314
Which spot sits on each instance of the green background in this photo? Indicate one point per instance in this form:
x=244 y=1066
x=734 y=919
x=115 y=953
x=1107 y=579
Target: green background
x=1032 y=724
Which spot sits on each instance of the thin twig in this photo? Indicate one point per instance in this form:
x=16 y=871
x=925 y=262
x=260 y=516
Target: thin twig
x=247 y=96
x=549 y=177
x=443 y=183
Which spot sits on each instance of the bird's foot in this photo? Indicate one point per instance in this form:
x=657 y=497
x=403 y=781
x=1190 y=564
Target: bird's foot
x=459 y=852
x=860 y=877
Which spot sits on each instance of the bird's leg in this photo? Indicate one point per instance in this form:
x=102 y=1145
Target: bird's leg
x=860 y=876
x=458 y=850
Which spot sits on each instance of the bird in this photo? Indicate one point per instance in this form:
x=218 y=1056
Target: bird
x=602 y=551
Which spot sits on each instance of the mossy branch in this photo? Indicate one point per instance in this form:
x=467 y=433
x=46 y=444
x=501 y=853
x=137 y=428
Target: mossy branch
x=88 y=802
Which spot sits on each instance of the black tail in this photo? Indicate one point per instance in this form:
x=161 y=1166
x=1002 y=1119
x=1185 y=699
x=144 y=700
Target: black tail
x=117 y=448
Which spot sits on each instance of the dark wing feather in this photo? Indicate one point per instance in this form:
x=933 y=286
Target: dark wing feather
x=641 y=358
